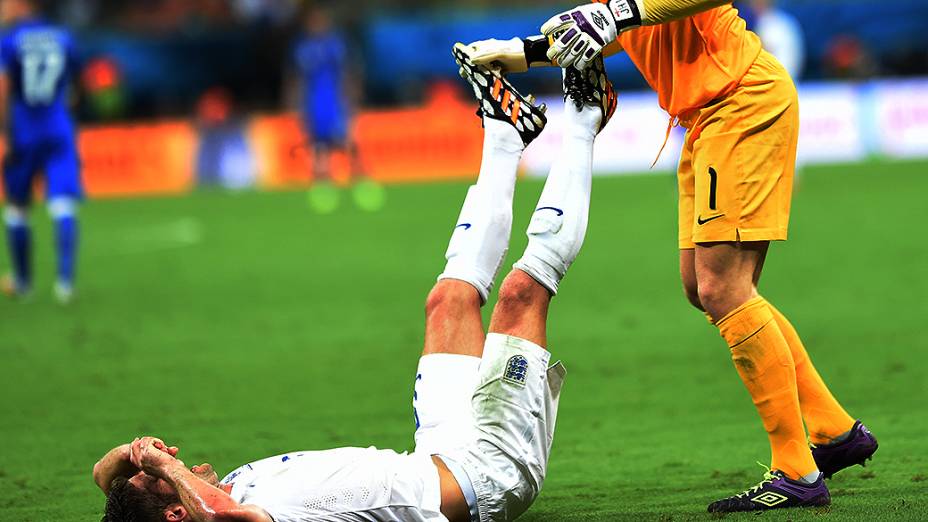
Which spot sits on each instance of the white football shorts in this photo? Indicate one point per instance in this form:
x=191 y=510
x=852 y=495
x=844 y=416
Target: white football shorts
x=492 y=426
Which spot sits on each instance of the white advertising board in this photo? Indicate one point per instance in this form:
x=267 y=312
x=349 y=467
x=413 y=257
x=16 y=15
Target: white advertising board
x=839 y=122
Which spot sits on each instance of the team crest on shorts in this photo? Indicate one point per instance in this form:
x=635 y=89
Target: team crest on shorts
x=516 y=368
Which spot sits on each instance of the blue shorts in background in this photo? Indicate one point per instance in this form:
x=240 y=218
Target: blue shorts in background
x=327 y=128
x=56 y=158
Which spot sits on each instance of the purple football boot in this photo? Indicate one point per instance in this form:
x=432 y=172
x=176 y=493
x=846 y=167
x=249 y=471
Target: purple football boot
x=857 y=448
x=776 y=491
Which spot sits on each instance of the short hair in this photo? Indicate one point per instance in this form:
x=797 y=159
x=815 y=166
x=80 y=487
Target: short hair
x=127 y=503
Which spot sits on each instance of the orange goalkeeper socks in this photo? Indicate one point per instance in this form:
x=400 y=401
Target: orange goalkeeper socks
x=825 y=419
x=763 y=360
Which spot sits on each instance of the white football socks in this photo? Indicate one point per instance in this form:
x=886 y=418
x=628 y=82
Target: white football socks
x=558 y=226
x=481 y=238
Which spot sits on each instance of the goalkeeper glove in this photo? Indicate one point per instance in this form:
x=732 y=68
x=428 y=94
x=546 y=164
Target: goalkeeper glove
x=579 y=35
x=508 y=56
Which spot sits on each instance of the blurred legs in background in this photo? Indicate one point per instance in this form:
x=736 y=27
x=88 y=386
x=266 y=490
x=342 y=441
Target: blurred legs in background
x=63 y=212
x=325 y=196
x=19 y=241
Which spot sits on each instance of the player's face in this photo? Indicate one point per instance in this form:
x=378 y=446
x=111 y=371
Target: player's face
x=10 y=10
x=6 y=11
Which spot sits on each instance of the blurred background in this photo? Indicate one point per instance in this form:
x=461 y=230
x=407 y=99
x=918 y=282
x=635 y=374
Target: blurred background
x=208 y=90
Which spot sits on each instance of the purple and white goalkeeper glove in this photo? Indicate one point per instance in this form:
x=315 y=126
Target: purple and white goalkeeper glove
x=579 y=35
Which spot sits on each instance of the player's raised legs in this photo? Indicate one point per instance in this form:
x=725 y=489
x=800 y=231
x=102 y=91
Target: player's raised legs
x=517 y=392
x=558 y=225
x=448 y=370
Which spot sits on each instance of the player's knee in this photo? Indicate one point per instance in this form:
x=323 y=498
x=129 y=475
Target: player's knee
x=691 y=291
x=714 y=294
x=449 y=296
x=519 y=292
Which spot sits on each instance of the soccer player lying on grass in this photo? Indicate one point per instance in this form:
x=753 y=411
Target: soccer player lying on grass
x=485 y=405
x=735 y=179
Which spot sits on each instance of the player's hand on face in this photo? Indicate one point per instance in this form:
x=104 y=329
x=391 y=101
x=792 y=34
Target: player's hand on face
x=579 y=35
x=205 y=472
x=149 y=453
x=507 y=56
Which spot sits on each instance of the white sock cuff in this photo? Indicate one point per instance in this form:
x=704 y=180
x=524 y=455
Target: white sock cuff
x=62 y=207
x=15 y=216
x=470 y=277
x=543 y=273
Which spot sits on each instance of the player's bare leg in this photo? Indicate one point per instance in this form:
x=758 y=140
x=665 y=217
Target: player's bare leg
x=480 y=237
x=558 y=226
x=515 y=400
x=454 y=339
x=725 y=274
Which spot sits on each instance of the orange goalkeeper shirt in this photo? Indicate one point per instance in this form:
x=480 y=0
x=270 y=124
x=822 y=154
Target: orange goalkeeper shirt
x=694 y=60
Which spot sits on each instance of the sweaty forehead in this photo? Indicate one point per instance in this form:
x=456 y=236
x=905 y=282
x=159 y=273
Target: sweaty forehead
x=142 y=480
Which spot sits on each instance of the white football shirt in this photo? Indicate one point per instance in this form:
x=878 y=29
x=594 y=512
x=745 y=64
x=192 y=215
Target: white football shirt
x=342 y=484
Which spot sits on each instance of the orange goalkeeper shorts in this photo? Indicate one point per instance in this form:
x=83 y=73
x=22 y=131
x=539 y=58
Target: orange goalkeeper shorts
x=736 y=171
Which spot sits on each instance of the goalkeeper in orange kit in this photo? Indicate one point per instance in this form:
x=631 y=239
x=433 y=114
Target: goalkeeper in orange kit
x=741 y=113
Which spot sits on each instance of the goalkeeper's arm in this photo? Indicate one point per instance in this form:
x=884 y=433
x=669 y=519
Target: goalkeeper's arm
x=518 y=54
x=659 y=11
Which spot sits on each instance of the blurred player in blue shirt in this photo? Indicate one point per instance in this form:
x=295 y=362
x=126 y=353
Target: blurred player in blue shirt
x=38 y=62
x=321 y=59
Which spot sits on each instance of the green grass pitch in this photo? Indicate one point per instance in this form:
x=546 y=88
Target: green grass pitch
x=240 y=326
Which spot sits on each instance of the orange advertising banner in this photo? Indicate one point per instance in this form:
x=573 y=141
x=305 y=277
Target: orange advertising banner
x=137 y=159
x=439 y=140
x=149 y=159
